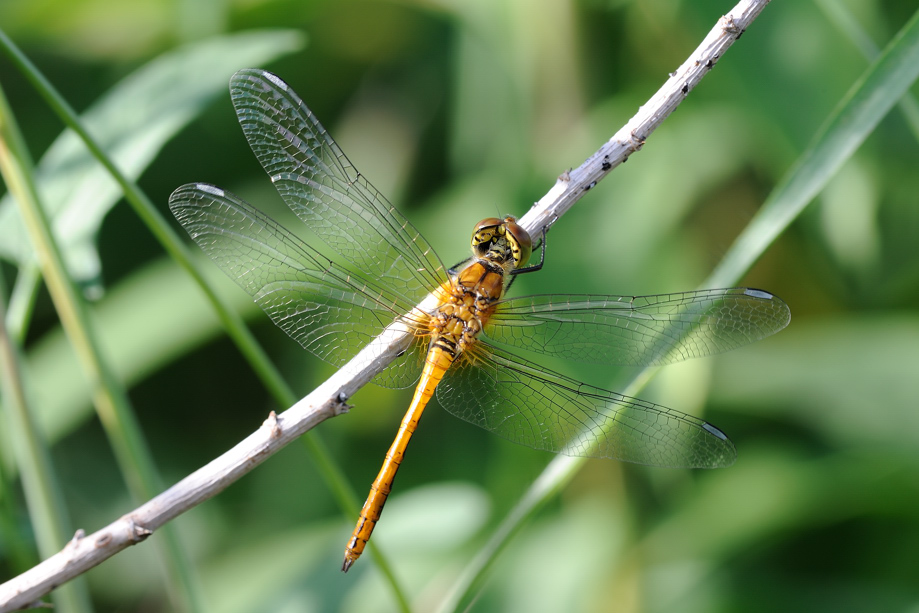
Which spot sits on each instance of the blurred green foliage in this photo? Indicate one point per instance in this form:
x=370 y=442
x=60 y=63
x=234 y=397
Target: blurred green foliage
x=464 y=110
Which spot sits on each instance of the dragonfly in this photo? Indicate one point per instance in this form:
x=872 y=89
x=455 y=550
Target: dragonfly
x=468 y=340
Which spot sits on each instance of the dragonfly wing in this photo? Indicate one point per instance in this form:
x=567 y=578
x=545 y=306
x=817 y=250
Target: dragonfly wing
x=638 y=330
x=536 y=407
x=324 y=189
x=332 y=313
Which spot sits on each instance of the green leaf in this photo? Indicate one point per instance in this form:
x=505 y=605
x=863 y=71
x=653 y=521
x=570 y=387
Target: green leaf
x=132 y=121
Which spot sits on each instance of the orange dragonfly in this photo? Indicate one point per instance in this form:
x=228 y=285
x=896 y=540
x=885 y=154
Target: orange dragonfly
x=464 y=341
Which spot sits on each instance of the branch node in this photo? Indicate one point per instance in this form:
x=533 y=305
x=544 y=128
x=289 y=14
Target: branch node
x=103 y=541
x=272 y=423
x=729 y=27
x=139 y=533
x=78 y=536
x=635 y=142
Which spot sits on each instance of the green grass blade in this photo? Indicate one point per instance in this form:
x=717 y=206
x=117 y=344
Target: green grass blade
x=847 y=23
x=110 y=399
x=22 y=301
x=856 y=116
x=45 y=501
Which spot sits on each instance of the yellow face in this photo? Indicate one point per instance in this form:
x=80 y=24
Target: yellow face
x=502 y=241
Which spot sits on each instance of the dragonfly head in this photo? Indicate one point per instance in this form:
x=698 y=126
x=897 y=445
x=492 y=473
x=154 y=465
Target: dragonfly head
x=502 y=241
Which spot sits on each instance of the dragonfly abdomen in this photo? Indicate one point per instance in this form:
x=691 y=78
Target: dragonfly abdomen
x=436 y=363
x=454 y=328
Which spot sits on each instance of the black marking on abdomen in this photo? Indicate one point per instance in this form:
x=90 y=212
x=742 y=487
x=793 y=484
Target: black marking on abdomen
x=447 y=345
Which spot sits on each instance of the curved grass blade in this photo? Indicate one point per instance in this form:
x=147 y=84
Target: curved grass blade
x=871 y=97
x=858 y=113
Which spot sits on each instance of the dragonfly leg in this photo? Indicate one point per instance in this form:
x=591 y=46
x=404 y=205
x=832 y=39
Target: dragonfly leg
x=542 y=256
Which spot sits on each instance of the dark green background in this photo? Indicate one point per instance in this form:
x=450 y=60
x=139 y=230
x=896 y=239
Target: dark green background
x=463 y=110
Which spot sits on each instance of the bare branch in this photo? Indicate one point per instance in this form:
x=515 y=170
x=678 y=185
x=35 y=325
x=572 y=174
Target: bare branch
x=85 y=552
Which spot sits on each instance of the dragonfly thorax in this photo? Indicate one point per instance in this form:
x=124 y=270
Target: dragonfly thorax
x=502 y=242
x=466 y=309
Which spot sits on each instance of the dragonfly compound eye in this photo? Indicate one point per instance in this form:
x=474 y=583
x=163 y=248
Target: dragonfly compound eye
x=484 y=233
x=512 y=241
x=521 y=243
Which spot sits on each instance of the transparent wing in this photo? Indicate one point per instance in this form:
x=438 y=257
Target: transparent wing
x=638 y=330
x=536 y=407
x=321 y=186
x=331 y=312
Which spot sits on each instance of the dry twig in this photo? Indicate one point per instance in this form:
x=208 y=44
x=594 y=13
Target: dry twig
x=85 y=552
